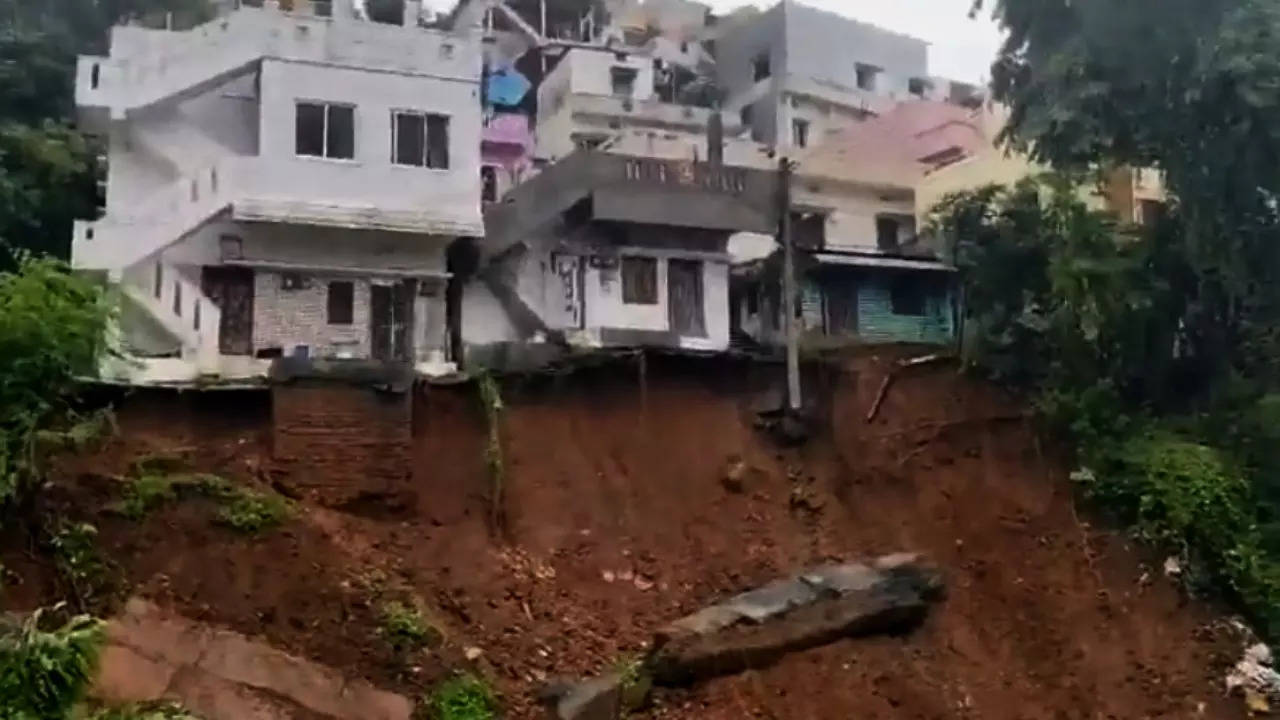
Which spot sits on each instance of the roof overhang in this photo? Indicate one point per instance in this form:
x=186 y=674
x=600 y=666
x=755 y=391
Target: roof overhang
x=882 y=261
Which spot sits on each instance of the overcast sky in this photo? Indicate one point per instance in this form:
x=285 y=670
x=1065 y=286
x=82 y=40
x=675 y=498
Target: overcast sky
x=959 y=48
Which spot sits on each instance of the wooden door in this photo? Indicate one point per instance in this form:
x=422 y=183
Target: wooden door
x=684 y=298
x=391 y=321
x=231 y=289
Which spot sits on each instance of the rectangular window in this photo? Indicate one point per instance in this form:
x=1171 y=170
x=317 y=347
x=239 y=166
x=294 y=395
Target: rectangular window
x=623 y=81
x=325 y=130
x=640 y=281
x=760 y=67
x=157 y=286
x=917 y=86
x=341 y=303
x=867 y=77
x=886 y=233
x=420 y=140
x=177 y=298
x=800 y=133
x=907 y=295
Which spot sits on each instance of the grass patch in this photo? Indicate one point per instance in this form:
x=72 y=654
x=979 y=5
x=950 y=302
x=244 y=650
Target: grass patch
x=242 y=509
x=251 y=512
x=465 y=697
x=144 y=494
x=406 y=628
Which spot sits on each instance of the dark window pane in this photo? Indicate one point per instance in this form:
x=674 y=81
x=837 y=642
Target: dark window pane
x=341 y=142
x=639 y=281
x=437 y=141
x=410 y=137
x=310 y=130
x=341 y=303
x=886 y=233
x=488 y=183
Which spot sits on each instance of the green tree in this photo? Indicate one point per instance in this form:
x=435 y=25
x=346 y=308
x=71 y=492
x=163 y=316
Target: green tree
x=1196 y=97
x=48 y=173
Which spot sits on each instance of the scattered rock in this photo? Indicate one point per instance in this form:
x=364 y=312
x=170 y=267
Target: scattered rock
x=735 y=476
x=472 y=653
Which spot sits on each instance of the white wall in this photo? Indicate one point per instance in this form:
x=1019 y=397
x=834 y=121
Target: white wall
x=605 y=308
x=851 y=224
x=583 y=71
x=370 y=179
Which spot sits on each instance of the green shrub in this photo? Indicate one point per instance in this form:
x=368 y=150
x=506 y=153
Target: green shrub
x=79 y=562
x=52 y=329
x=1187 y=498
x=252 y=512
x=144 y=494
x=405 y=627
x=465 y=697
x=44 y=674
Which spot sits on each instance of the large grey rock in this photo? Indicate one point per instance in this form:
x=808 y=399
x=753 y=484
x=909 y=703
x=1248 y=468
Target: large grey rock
x=814 y=608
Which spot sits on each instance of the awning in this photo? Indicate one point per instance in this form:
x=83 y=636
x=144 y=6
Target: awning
x=882 y=261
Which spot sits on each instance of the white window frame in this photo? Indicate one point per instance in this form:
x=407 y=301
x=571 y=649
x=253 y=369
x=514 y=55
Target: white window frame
x=426 y=116
x=326 y=104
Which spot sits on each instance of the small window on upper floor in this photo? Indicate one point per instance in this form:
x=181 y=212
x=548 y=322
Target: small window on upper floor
x=917 y=86
x=623 y=81
x=420 y=140
x=325 y=130
x=761 y=67
x=800 y=133
x=867 y=76
x=886 y=232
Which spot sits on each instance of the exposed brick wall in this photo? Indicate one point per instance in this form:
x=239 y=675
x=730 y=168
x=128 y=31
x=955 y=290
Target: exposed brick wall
x=287 y=318
x=336 y=441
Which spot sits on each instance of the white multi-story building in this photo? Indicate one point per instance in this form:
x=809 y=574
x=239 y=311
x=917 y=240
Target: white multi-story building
x=795 y=74
x=282 y=184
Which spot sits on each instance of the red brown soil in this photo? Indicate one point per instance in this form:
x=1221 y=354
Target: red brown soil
x=618 y=521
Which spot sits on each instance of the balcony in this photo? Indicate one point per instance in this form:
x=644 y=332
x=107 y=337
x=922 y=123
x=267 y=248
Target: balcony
x=625 y=188
x=636 y=113
x=507 y=131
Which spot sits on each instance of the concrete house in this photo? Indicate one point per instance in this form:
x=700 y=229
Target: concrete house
x=865 y=275
x=794 y=73
x=282 y=183
x=607 y=250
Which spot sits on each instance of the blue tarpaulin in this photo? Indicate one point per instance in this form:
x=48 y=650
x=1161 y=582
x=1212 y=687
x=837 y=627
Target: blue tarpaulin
x=507 y=86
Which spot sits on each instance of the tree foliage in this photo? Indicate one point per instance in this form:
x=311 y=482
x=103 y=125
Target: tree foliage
x=53 y=326
x=48 y=172
x=43 y=674
x=1198 y=98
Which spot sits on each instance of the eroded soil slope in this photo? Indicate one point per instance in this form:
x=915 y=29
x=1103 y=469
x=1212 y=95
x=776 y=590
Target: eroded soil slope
x=617 y=519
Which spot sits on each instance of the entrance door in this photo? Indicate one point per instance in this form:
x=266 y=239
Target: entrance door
x=391 y=321
x=842 y=306
x=231 y=289
x=684 y=298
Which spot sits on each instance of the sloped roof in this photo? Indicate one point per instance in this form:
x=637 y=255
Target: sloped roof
x=897 y=148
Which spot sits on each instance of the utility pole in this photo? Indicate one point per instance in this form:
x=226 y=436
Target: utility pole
x=785 y=167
